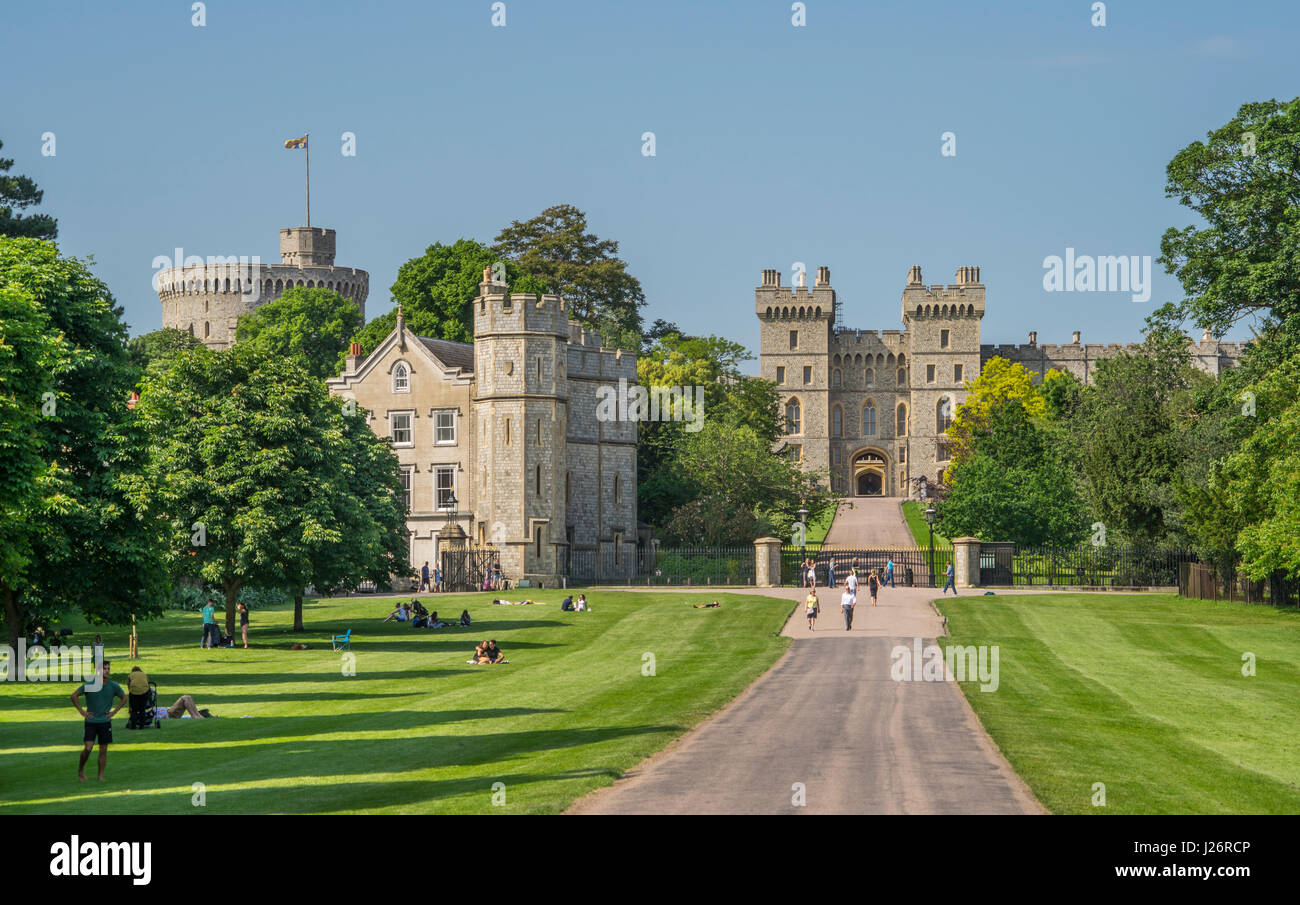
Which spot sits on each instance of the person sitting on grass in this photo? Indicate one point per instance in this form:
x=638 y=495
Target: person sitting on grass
x=581 y=605
x=566 y=605
x=464 y=618
x=400 y=614
x=488 y=653
x=184 y=708
x=434 y=622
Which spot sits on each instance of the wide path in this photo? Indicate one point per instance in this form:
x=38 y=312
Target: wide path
x=829 y=716
x=871 y=522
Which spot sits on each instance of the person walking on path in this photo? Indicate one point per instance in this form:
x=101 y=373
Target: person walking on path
x=98 y=713
x=830 y=572
x=424 y=576
x=847 y=602
x=889 y=572
x=437 y=579
x=209 y=626
x=810 y=572
x=950 y=583
x=811 y=608
x=873 y=585
x=852 y=583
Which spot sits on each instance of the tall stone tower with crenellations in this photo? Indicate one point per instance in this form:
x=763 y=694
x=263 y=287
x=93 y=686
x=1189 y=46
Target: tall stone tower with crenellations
x=206 y=296
x=871 y=408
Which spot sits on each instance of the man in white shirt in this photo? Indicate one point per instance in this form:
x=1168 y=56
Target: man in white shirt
x=847 y=602
x=852 y=583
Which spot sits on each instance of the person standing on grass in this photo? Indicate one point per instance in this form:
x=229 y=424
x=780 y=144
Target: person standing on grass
x=811 y=608
x=847 y=602
x=950 y=583
x=209 y=625
x=889 y=572
x=873 y=585
x=98 y=713
x=243 y=621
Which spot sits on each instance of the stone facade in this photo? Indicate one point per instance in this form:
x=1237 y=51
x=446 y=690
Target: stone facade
x=499 y=439
x=207 y=298
x=871 y=408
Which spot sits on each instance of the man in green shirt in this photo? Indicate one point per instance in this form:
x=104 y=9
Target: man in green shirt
x=99 y=712
x=210 y=636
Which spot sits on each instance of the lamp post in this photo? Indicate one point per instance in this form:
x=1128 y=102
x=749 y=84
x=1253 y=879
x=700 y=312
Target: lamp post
x=451 y=514
x=929 y=518
x=803 y=539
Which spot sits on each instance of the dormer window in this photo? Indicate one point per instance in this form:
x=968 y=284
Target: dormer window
x=401 y=378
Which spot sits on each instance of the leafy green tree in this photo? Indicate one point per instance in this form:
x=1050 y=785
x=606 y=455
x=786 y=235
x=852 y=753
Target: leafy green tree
x=1012 y=484
x=556 y=248
x=1000 y=381
x=68 y=534
x=1244 y=182
x=16 y=194
x=1259 y=483
x=437 y=289
x=1127 y=437
x=160 y=345
x=263 y=479
x=313 y=324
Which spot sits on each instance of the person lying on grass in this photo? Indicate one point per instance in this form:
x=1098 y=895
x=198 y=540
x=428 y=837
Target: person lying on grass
x=488 y=652
x=705 y=606
x=508 y=603
x=184 y=708
x=435 y=623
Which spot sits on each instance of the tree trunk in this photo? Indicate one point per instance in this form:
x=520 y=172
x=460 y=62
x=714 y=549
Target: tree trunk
x=297 y=611
x=231 y=589
x=13 y=617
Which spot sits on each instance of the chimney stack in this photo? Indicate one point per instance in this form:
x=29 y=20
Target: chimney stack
x=823 y=276
x=914 y=276
x=772 y=278
x=1033 y=337
x=1075 y=340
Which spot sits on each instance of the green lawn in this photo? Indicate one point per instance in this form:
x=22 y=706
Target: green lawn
x=1142 y=693
x=417 y=729
x=914 y=513
x=819 y=527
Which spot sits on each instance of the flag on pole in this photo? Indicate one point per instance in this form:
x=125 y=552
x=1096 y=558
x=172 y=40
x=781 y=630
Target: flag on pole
x=295 y=143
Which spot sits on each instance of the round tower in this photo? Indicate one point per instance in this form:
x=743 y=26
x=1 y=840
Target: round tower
x=206 y=296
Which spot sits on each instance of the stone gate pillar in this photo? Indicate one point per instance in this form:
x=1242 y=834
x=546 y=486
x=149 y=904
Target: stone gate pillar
x=767 y=562
x=966 y=562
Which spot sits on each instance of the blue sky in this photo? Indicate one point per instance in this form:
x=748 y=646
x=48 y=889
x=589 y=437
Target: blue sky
x=775 y=144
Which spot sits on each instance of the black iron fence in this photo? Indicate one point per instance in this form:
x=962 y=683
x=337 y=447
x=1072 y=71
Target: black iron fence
x=466 y=567
x=668 y=566
x=1109 y=566
x=912 y=565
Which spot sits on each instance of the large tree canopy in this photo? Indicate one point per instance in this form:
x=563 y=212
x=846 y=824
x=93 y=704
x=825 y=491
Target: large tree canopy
x=313 y=324
x=17 y=193
x=159 y=346
x=436 y=290
x=556 y=248
x=262 y=477
x=70 y=537
x=1244 y=181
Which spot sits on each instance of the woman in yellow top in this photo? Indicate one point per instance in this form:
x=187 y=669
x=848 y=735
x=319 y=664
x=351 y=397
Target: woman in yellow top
x=811 y=607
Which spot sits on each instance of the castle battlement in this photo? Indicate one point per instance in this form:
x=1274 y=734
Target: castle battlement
x=772 y=300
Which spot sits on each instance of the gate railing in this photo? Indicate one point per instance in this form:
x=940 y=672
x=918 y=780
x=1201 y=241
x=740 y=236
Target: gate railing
x=912 y=565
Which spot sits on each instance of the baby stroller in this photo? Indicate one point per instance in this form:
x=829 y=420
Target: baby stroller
x=142 y=698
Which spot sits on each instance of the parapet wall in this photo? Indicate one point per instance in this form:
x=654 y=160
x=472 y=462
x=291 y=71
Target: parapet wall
x=1079 y=359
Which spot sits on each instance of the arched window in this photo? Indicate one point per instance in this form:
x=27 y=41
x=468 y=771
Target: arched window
x=900 y=419
x=871 y=376
x=837 y=422
x=618 y=489
x=835 y=378
x=207 y=329
x=401 y=378
x=902 y=377
x=943 y=414
x=792 y=421
x=869 y=419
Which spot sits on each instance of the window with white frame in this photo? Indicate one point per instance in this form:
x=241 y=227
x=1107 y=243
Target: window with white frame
x=400 y=426
x=406 y=487
x=444 y=427
x=401 y=378
x=444 y=484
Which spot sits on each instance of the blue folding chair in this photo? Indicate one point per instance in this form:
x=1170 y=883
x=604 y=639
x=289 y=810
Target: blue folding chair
x=342 y=642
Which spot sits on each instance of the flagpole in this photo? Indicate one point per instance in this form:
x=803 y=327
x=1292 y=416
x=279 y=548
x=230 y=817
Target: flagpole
x=307 y=148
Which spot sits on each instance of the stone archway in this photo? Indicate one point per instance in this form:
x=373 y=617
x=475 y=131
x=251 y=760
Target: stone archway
x=870 y=466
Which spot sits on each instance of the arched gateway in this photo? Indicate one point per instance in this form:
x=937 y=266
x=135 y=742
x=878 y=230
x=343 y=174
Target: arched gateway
x=869 y=470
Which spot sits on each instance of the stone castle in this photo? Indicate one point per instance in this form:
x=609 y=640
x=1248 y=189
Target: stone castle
x=872 y=408
x=499 y=440
x=206 y=299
